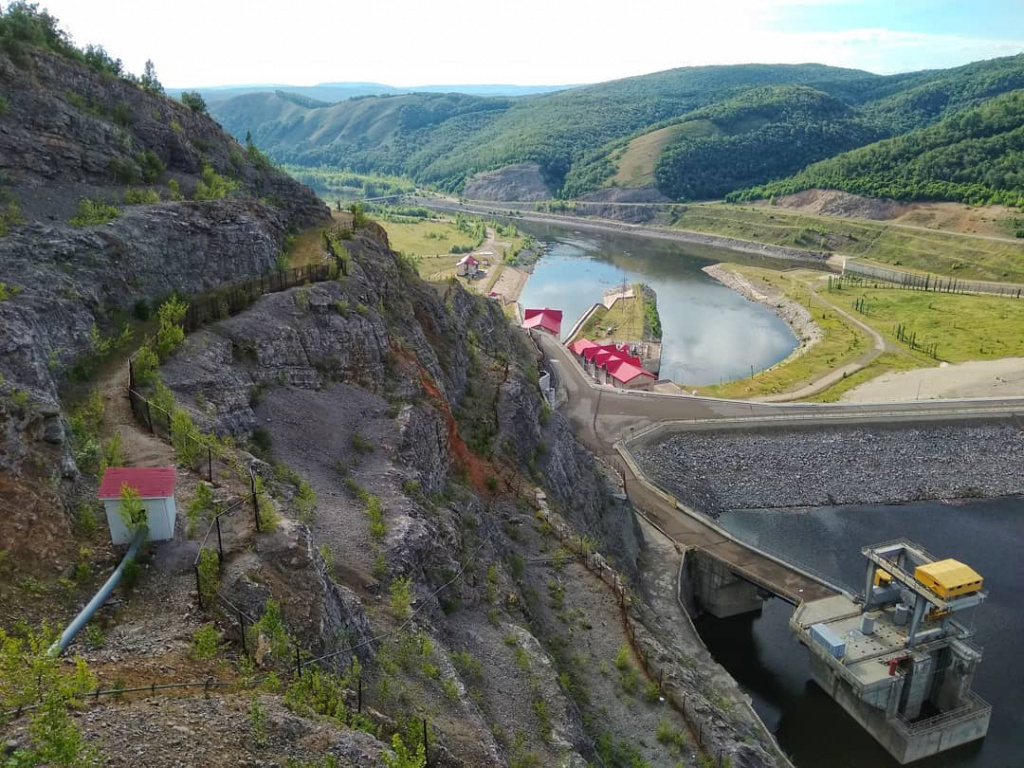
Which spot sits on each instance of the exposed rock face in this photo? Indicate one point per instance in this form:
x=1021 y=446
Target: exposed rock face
x=524 y=183
x=68 y=133
x=632 y=214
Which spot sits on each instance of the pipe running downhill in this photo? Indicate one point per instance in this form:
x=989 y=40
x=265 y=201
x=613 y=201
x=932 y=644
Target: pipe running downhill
x=100 y=597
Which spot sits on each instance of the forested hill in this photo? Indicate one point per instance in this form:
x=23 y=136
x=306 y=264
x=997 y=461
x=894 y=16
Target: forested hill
x=693 y=133
x=974 y=156
x=444 y=138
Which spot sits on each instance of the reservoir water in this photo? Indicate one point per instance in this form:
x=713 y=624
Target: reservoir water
x=772 y=667
x=709 y=332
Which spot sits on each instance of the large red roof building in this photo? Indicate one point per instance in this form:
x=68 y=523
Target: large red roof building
x=549 y=320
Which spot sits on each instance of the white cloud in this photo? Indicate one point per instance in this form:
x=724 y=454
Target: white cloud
x=410 y=42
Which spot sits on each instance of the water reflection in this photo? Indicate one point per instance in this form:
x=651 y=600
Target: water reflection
x=710 y=333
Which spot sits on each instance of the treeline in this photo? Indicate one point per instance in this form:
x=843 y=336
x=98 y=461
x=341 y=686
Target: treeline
x=975 y=156
x=765 y=134
x=333 y=185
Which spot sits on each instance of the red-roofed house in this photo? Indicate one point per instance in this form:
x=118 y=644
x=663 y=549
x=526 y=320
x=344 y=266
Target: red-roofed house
x=155 y=486
x=549 y=320
x=580 y=345
x=467 y=266
x=625 y=375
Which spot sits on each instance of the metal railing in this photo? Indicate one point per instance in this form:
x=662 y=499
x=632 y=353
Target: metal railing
x=975 y=708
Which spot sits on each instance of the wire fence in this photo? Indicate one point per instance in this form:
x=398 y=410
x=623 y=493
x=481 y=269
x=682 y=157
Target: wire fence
x=894 y=278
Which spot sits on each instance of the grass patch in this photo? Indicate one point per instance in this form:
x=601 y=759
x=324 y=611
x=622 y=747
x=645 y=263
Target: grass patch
x=964 y=327
x=428 y=238
x=843 y=342
x=940 y=253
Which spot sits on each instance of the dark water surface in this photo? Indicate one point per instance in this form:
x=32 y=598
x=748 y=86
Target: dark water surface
x=709 y=332
x=772 y=667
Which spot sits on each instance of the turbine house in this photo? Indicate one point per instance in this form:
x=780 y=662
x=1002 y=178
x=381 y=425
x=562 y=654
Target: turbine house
x=900 y=663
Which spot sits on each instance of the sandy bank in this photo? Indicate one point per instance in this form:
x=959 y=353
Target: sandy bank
x=978 y=378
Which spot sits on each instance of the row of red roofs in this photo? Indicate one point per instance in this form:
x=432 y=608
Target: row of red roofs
x=620 y=365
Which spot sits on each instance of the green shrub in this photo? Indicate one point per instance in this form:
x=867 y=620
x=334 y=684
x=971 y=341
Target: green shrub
x=145 y=365
x=318 y=693
x=134 y=196
x=8 y=291
x=122 y=114
x=194 y=101
x=400 y=598
x=670 y=736
x=152 y=166
x=92 y=212
x=174 y=190
x=271 y=627
x=206 y=642
x=305 y=502
x=209 y=576
x=186 y=439
x=213 y=186
x=258 y=723
x=171 y=334
x=403 y=757
x=133 y=511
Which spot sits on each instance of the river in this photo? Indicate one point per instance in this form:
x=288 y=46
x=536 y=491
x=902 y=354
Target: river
x=710 y=333
x=772 y=667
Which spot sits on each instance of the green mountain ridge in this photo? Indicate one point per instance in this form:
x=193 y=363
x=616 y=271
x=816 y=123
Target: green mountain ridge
x=974 y=156
x=723 y=129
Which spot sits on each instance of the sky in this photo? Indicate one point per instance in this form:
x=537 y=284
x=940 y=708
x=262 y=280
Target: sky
x=202 y=43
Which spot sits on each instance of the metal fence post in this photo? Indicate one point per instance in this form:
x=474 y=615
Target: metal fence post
x=220 y=543
x=426 y=744
x=241 y=625
x=209 y=462
x=298 y=664
x=359 y=699
x=149 y=417
x=199 y=588
x=255 y=502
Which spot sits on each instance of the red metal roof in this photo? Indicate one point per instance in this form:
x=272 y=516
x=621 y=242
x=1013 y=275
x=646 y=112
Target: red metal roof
x=606 y=355
x=468 y=260
x=578 y=346
x=620 y=370
x=150 y=482
x=548 y=319
x=591 y=351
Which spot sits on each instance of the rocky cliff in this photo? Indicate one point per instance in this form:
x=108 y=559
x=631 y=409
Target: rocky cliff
x=69 y=133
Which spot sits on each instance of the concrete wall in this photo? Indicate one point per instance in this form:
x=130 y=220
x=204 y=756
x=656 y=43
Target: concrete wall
x=717 y=590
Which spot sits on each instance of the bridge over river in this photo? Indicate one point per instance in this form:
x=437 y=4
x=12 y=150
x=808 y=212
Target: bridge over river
x=732 y=576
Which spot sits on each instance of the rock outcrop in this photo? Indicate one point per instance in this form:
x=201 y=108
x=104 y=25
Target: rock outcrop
x=522 y=183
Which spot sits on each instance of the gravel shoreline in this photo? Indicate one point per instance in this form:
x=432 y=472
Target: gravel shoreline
x=837 y=465
x=794 y=314
x=660 y=233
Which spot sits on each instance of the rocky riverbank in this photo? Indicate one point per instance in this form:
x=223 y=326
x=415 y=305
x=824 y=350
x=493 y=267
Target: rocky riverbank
x=715 y=471
x=793 y=313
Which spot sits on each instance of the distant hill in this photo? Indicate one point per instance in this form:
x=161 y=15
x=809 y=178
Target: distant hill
x=974 y=156
x=691 y=133
x=335 y=92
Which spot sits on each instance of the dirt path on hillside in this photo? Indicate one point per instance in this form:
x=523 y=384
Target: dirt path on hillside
x=140 y=448
x=878 y=347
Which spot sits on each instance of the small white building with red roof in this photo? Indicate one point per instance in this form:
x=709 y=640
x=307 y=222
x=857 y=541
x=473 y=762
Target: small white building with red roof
x=155 y=487
x=467 y=266
x=549 y=320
